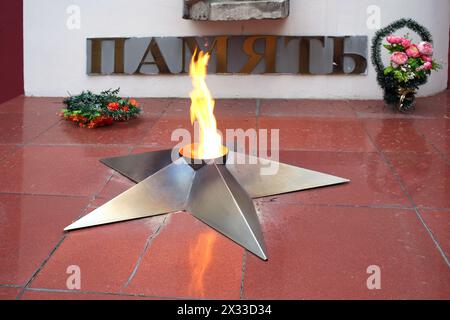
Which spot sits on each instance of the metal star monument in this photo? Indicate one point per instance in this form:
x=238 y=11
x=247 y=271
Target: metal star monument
x=218 y=192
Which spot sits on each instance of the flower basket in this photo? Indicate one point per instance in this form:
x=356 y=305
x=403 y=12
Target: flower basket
x=401 y=97
x=89 y=110
x=410 y=64
x=406 y=98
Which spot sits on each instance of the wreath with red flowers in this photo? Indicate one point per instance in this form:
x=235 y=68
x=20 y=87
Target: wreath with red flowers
x=97 y=110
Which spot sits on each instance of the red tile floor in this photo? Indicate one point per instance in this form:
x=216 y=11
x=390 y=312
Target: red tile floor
x=394 y=214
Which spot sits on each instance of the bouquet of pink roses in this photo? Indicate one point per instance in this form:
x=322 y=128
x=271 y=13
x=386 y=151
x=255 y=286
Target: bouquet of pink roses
x=409 y=61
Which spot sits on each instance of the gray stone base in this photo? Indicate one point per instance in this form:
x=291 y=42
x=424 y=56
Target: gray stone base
x=229 y=10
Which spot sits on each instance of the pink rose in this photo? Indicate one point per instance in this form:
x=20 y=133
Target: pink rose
x=413 y=51
x=425 y=48
x=426 y=58
x=399 y=58
x=427 y=66
x=405 y=43
x=394 y=39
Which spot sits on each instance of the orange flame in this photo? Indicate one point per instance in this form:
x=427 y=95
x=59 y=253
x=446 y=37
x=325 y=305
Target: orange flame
x=202 y=110
x=200 y=257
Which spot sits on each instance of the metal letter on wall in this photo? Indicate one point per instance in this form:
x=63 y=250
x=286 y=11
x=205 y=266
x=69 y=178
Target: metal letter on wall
x=106 y=55
x=313 y=55
x=216 y=46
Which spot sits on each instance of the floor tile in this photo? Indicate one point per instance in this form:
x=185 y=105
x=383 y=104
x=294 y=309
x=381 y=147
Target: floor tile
x=189 y=259
x=53 y=105
x=62 y=170
x=439 y=224
x=436 y=106
x=31 y=226
x=115 y=186
x=19 y=128
x=223 y=108
x=371 y=181
x=302 y=108
x=35 y=105
x=7 y=149
x=243 y=123
x=436 y=132
x=318 y=134
x=153 y=106
x=9 y=293
x=374 y=109
x=106 y=256
x=397 y=135
x=57 y=295
x=324 y=253
x=23 y=118
x=378 y=109
x=426 y=177
x=97 y=202
x=161 y=133
x=235 y=108
x=178 y=108
x=127 y=133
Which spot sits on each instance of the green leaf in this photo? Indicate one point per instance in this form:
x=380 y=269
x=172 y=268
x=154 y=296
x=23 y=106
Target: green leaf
x=388 y=70
x=436 y=66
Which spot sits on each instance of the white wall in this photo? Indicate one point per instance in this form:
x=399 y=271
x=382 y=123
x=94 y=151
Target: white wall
x=55 y=57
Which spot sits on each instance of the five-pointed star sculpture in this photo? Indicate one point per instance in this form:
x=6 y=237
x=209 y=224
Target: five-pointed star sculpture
x=220 y=195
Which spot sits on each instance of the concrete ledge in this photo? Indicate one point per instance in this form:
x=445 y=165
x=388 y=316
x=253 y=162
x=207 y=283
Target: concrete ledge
x=235 y=10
